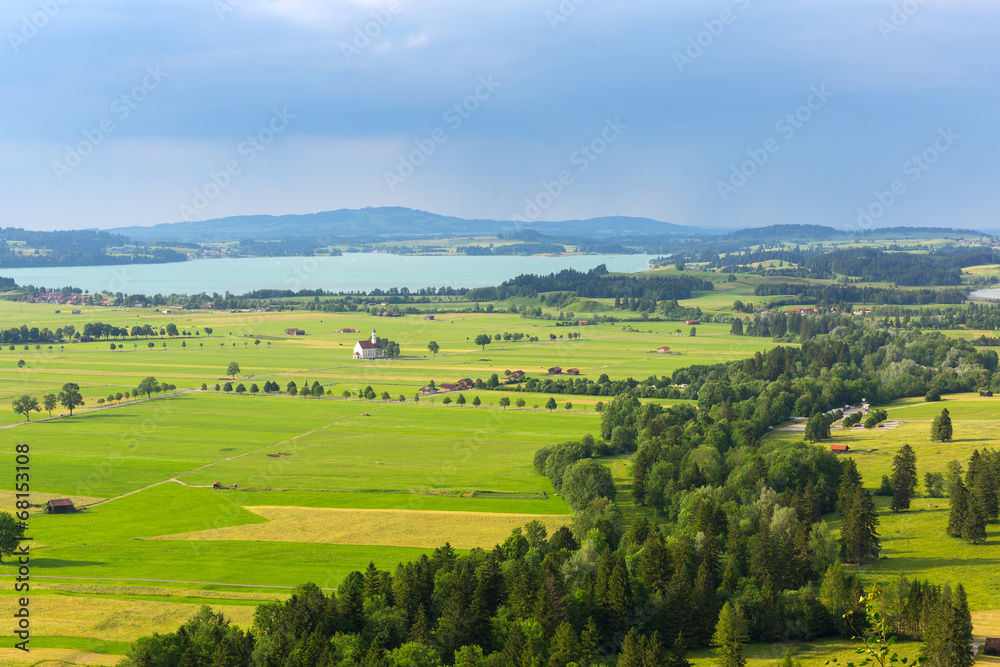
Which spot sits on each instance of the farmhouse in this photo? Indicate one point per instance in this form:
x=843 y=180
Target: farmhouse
x=368 y=349
x=60 y=506
x=584 y=323
x=517 y=376
x=428 y=317
x=348 y=330
x=429 y=390
x=663 y=350
x=295 y=332
x=839 y=448
x=466 y=383
x=447 y=386
x=691 y=322
x=555 y=370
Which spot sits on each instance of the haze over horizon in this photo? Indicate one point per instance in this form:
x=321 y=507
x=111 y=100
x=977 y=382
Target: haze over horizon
x=149 y=112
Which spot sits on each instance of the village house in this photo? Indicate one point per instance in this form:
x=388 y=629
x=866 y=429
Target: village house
x=295 y=332
x=368 y=349
x=663 y=350
x=691 y=322
x=466 y=383
x=348 y=330
x=517 y=376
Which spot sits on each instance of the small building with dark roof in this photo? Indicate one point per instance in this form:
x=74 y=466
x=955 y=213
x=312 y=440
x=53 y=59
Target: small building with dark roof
x=573 y=371
x=555 y=370
x=295 y=332
x=60 y=506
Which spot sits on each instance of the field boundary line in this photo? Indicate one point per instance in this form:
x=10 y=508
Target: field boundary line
x=229 y=458
x=161 y=581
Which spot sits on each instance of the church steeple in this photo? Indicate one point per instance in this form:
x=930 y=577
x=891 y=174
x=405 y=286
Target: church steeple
x=374 y=340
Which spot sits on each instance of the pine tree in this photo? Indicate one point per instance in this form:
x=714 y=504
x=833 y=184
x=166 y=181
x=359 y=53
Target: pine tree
x=564 y=648
x=959 y=503
x=633 y=650
x=904 y=478
x=859 y=533
x=850 y=482
x=962 y=629
x=730 y=637
x=588 y=641
x=655 y=655
x=973 y=522
x=678 y=655
x=654 y=563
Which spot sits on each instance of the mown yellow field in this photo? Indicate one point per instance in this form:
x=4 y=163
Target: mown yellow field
x=8 y=499
x=986 y=624
x=400 y=528
x=12 y=657
x=112 y=619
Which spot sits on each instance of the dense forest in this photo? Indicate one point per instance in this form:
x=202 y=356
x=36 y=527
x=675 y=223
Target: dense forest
x=831 y=295
x=594 y=284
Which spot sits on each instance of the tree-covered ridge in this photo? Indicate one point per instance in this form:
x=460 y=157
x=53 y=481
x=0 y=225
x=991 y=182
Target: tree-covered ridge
x=77 y=248
x=594 y=284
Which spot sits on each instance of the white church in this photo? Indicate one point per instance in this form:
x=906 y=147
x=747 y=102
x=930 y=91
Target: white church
x=368 y=349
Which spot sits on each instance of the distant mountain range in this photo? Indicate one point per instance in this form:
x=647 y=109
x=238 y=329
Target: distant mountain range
x=395 y=223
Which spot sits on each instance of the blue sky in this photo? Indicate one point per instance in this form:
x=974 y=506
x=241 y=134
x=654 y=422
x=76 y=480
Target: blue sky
x=728 y=113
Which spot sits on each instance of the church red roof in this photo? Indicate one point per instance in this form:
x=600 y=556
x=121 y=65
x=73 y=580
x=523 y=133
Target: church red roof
x=368 y=345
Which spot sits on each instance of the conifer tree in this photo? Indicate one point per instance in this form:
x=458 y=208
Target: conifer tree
x=588 y=641
x=730 y=637
x=633 y=650
x=959 y=503
x=655 y=654
x=904 y=478
x=564 y=648
x=859 y=531
x=973 y=522
x=850 y=482
x=678 y=654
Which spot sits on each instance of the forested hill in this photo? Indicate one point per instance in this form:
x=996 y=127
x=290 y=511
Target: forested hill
x=24 y=248
x=391 y=222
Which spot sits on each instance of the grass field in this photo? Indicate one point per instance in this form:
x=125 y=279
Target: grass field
x=915 y=543
x=327 y=486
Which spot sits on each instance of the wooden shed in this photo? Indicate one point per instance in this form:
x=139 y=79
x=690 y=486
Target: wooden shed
x=60 y=506
x=839 y=448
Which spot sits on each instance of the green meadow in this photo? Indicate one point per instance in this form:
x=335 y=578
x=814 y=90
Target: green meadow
x=154 y=460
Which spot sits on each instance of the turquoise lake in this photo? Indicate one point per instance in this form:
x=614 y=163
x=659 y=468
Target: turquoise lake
x=349 y=272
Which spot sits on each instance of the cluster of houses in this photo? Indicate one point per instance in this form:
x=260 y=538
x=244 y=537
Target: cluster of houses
x=555 y=370
x=466 y=384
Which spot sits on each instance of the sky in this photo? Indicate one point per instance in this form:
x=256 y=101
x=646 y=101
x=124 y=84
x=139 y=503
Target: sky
x=714 y=113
